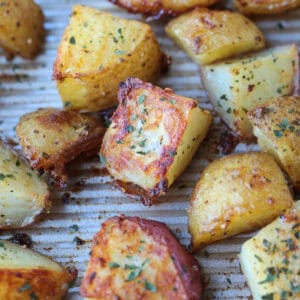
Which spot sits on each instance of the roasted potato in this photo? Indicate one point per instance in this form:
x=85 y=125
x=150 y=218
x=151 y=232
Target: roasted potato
x=25 y=274
x=265 y=7
x=97 y=52
x=270 y=260
x=237 y=86
x=235 y=194
x=153 y=135
x=277 y=128
x=24 y=195
x=210 y=35
x=161 y=7
x=21 y=28
x=134 y=258
x=52 y=137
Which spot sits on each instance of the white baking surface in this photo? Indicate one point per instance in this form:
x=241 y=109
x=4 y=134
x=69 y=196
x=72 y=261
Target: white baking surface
x=27 y=85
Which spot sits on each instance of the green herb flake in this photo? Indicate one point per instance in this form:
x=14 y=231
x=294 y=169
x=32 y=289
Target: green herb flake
x=119 y=141
x=163 y=99
x=113 y=265
x=141 y=99
x=258 y=258
x=129 y=128
x=268 y=297
x=228 y=280
x=2 y=176
x=120 y=52
x=72 y=40
x=172 y=153
x=150 y=287
x=102 y=158
x=278 y=133
x=229 y=110
x=17 y=163
x=173 y=101
x=67 y=104
x=141 y=152
x=224 y=97
x=142 y=143
x=33 y=296
x=133 y=274
x=107 y=123
x=131 y=267
x=270 y=276
x=295 y=288
x=74 y=227
x=25 y=287
x=284 y=124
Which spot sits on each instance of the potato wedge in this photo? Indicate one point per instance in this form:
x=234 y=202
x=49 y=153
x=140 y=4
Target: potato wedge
x=52 y=137
x=210 y=35
x=21 y=28
x=153 y=136
x=25 y=274
x=270 y=260
x=237 y=86
x=265 y=7
x=134 y=258
x=97 y=52
x=277 y=128
x=235 y=194
x=24 y=195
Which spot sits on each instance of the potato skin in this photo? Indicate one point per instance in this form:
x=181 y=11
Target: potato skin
x=88 y=69
x=124 y=242
x=210 y=35
x=277 y=127
x=235 y=194
x=21 y=28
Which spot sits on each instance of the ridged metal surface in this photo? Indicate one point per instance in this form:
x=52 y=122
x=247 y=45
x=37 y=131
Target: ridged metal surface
x=27 y=85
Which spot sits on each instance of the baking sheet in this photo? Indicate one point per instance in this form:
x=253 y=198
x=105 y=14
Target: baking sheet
x=91 y=199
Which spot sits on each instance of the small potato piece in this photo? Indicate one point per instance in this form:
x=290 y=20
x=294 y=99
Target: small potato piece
x=21 y=28
x=52 y=137
x=25 y=274
x=24 y=195
x=153 y=136
x=270 y=260
x=265 y=7
x=134 y=258
x=97 y=52
x=209 y=35
x=277 y=128
x=237 y=86
x=235 y=194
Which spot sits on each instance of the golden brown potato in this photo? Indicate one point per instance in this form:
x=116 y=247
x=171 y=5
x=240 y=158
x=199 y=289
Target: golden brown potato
x=51 y=138
x=210 y=35
x=97 y=52
x=21 y=28
x=134 y=258
x=235 y=194
x=25 y=274
x=277 y=128
x=265 y=7
x=153 y=136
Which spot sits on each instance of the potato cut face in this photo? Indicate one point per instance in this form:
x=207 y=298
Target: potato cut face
x=235 y=194
x=270 y=260
x=21 y=28
x=152 y=138
x=209 y=35
x=25 y=274
x=277 y=128
x=24 y=195
x=97 y=52
x=52 y=137
x=134 y=258
x=237 y=86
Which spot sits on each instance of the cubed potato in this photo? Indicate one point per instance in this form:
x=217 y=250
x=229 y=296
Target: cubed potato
x=277 y=128
x=153 y=136
x=24 y=195
x=270 y=260
x=237 y=86
x=210 y=35
x=97 y=52
x=21 y=28
x=265 y=7
x=25 y=274
x=235 y=194
x=134 y=258
x=52 y=137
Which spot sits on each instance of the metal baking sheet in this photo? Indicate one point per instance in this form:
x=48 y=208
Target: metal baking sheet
x=91 y=199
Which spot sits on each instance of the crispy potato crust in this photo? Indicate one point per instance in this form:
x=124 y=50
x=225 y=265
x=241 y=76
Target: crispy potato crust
x=134 y=258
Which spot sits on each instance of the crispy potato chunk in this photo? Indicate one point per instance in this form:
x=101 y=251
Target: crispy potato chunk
x=265 y=7
x=21 y=28
x=24 y=195
x=209 y=35
x=97 y=52
x=51 y=138
x=134 y=258
x=270 y=260
x=277 y=128
x=235 y=194
x=237 y=86
x=25 y=274
x=153 y=136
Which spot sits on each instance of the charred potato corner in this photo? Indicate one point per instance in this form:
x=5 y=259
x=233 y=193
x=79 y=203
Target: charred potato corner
x=153 y=135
